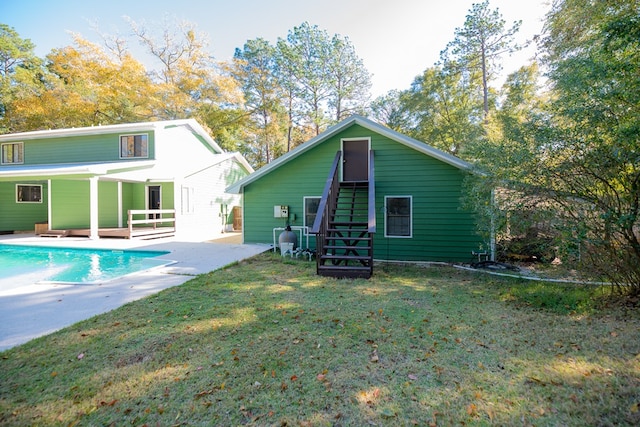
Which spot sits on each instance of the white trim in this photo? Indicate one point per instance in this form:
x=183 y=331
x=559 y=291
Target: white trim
x=28 y=185
x=120 y=204
x=49 y=208
x=304 y=212
x=126 y=135
x=393 y=236
x=93 y=208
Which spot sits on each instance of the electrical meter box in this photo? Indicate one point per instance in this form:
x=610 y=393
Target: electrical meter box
x=281 y=211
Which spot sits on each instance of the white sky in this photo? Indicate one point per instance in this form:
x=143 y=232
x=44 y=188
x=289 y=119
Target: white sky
x=396 y=39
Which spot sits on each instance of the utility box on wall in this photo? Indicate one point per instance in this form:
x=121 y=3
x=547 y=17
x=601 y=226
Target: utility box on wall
x=281 y=211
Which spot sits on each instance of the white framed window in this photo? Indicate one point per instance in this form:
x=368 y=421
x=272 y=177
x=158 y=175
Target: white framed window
x=188 y=200
x=27 y=193
x=12 y=153
x=134 y=146
x=311 y=204
x=398 y=216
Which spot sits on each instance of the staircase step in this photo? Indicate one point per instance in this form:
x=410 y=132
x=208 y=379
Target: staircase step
x=340 y=226
x=346 y=257
x=348 y=247
x=345 y=271
x=360 y=239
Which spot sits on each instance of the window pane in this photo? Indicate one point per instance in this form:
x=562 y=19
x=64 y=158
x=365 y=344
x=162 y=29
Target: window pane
x=29 y=193
x=398 y=216
x=310 y=210
x=134 y=146
x=12 y=153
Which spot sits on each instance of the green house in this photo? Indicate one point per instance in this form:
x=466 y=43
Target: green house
x=124 y=180
x=408 y=194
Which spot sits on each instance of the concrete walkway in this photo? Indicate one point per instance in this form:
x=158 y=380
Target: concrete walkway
x=29 y=309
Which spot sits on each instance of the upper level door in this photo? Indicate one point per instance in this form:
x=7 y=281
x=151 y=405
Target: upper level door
x=355 y=160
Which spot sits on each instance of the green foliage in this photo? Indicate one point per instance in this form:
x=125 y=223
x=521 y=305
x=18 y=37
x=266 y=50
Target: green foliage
x=556 y=297
x=592 y=135
x=480 y=43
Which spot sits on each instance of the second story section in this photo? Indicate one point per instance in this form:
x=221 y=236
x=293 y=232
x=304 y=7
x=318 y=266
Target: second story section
x=163 y=141
x=97 y=144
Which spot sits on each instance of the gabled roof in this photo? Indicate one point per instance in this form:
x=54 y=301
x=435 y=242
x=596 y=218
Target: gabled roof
x=339 y=127
x=190 y=124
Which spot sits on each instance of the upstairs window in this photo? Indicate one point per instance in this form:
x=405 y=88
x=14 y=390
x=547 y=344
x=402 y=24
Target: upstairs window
x=397 y=216
x=12 y=153
x=28 y=193
x=134 y=146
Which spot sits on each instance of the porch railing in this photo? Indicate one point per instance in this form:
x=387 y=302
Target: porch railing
x=151 y=218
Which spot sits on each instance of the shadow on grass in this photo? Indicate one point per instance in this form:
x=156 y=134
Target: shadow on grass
x=267 y=342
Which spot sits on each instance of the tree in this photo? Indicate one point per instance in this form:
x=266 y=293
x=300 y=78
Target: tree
x=302 y=57
x=388 y=110
x=575 y=153
x=480 y=43
x=323 y=78
x=592 y=139
x=255 y=68
x=443 y=108
x=20 y=71
x=188 y=77
x=349 y=80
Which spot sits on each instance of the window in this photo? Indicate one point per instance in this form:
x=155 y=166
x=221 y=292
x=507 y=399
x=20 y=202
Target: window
x=188 y=200
x=310 y=210
x=398 y=216
x=28 y=193
x=132 y=146
x=12 y=152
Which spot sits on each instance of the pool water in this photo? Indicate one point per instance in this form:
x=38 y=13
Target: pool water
x=74 y=265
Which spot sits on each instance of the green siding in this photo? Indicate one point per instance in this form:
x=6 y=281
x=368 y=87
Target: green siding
x=78 y=149
x=21 y=216
x=442 y=230
x=107 y=204
x=69 y=204
x=286 y=186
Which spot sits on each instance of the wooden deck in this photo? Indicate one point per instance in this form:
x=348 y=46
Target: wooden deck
x=153 y=225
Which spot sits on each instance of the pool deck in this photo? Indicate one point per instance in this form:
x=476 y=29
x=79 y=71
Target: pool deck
x=29 y=309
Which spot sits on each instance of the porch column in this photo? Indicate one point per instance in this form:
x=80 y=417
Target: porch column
x=93 y=208
x=119 y=204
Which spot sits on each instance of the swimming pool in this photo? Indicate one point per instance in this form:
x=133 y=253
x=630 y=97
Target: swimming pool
x=74 y=265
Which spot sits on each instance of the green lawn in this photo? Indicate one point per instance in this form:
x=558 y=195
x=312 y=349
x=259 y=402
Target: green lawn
x=267 y=342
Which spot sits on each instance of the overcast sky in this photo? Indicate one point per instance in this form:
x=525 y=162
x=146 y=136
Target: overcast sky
x=396 y=39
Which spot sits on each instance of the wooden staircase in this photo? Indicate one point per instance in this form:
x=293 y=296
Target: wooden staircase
x=344 y=227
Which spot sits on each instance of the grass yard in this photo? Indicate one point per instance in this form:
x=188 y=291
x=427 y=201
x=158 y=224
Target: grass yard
x=267 y=342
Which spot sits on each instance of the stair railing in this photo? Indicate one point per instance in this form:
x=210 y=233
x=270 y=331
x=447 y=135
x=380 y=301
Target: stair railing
x=326 y=206
x=372 y=197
